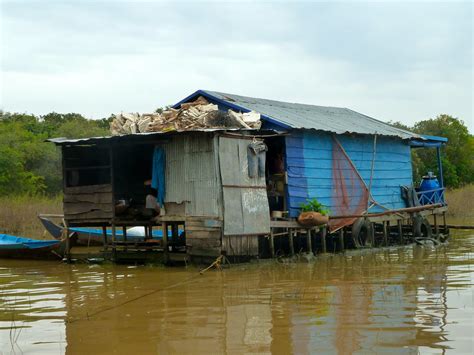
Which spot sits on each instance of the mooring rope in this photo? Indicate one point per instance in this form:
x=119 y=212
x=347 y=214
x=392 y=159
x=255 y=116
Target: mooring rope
x=216 y=263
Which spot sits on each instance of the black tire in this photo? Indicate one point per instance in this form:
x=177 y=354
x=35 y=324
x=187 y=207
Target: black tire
x=362 y=233
x=421 y=228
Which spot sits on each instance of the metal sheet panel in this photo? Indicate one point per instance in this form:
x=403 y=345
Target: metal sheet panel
x=246 y=209
x=337 y=120
x=191 y=175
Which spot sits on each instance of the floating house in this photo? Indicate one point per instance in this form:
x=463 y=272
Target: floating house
x=223 y=195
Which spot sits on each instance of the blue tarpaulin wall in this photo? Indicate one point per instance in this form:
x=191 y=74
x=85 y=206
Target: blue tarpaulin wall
x=309 y=162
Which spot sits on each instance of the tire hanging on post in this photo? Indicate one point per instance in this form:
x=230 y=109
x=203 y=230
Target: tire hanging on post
x=421 y=228
x=362 y=233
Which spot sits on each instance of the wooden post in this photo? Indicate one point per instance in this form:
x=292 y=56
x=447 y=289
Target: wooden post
x=124 y=233
x=323 y=238
x=400 y=231
x=164 y=227
x=385 y=232
x=272 y=243
x=68 y=246
x=341 y=239
x=104 y=233
x=174 y=232
x=445 y=226
x=308 y=239
x=114 y=234
x=292 y=247
x=435 y=219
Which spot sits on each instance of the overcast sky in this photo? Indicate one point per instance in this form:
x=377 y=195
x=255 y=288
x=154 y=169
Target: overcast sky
x=400 y=61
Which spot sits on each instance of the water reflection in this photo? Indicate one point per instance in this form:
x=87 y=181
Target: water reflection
x=409 y=300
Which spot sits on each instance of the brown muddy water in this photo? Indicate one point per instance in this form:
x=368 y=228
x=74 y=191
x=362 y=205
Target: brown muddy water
x=400 y=300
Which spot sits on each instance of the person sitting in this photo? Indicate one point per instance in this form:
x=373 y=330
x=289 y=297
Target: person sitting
x=151 y=202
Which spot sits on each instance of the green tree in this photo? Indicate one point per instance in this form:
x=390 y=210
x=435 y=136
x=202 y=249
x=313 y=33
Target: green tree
x=28 y=164
x=457 y=156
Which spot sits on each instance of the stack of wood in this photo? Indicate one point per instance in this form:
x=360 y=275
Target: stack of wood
x=194 y=115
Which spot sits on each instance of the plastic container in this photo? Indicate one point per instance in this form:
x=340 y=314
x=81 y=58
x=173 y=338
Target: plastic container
x=428 y=184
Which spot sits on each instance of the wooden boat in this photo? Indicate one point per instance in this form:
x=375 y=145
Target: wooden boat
x=25 y=248
x=94 y=236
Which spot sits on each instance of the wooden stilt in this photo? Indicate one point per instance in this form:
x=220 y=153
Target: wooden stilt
x=292 y=247
x=68 y=246
x=445 y=226
x=308 y=239
x=272 y=243
x=436 y=226
x=124 y=232
x=114 y=235
x=323 y=238
x=400 y=231
x=385 y=233
x=164 y=227
x=341 y=239
x=174 y=233
x=104 y=233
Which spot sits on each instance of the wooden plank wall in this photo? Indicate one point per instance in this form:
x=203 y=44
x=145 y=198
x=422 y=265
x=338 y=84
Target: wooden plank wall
x=309 y=158
x=88 y=202
x=203 y=236
x=240 y=245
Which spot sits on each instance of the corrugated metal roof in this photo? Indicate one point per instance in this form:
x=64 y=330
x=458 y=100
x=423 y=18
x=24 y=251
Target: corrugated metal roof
x=293 y=115
x=62 y=140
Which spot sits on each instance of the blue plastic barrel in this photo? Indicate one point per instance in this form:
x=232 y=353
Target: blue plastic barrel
x=429 y=183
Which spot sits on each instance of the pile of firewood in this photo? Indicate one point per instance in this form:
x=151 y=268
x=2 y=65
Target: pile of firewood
x=198 y=114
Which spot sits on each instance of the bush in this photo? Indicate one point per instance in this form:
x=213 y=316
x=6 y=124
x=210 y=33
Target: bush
x=314 y=205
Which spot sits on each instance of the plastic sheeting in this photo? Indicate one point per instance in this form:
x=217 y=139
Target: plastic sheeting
x=158 y=174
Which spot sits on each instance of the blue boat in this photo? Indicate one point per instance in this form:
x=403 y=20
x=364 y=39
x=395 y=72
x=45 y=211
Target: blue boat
x=25 y=248
x=94 y=236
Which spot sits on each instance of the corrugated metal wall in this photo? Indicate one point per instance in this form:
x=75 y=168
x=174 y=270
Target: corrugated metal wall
x=309 y=166
x=191 y=174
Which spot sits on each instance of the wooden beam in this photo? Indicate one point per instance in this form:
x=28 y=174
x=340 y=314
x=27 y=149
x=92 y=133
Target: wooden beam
x=400 y=210
x=457 y=226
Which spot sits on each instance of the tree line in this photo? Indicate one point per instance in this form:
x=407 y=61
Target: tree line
x=30 y=166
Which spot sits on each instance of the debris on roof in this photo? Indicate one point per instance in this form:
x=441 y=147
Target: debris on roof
x=189 y=116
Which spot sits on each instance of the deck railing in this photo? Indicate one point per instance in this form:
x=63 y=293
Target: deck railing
x=431 y=197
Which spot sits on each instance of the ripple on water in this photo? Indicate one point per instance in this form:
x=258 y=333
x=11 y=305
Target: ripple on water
x=394 y=300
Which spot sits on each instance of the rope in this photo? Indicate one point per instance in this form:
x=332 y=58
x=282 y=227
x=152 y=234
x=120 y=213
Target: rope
x=217 y=263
